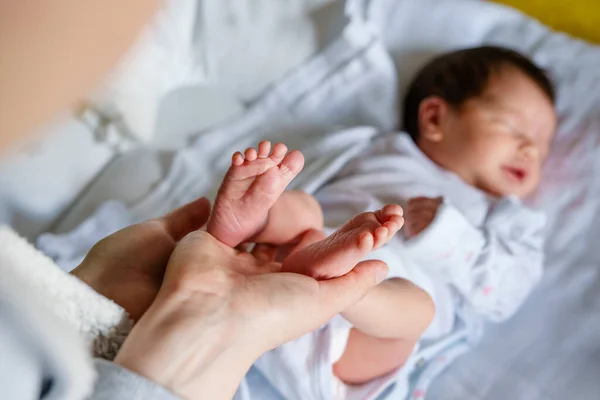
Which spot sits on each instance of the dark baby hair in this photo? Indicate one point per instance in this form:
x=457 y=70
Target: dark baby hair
x=462 y=75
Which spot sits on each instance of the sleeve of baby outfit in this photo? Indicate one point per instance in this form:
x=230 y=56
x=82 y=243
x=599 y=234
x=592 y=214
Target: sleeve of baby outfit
x=494 y=267
x=115 y=382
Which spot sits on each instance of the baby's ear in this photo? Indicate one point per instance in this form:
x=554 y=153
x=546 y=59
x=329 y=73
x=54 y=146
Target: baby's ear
x=431 y=113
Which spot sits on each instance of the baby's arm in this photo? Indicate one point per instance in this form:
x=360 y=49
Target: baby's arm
x=382 y=337
x=294 y=213
x=494 y=267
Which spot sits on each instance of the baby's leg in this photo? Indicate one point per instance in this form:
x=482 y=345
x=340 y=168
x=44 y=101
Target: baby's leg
x=367 y=357
x=250 y=188
x=381 y=339
x=353 y=241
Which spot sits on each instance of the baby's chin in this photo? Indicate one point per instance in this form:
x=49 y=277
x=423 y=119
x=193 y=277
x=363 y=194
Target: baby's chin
x=499 y=191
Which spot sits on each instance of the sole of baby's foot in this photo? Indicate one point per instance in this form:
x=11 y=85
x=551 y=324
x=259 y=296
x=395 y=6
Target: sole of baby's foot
x=337 y=254
x=253 y=183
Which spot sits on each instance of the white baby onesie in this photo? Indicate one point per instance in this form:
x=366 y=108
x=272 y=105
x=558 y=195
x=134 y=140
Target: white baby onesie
x=489 y=250
x=479 y=259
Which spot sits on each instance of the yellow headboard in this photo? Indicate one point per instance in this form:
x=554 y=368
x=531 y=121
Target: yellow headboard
x=580 y=18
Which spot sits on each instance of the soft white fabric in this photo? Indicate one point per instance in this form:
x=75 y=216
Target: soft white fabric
x=51 y=325
x=102 y=323
x=41 y=179
x=234 y=47
x=353 y=82
x=162 y=60
x=302 y=369
x=65 y=351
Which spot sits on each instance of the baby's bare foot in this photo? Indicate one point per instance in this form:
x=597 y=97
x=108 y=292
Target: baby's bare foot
x=337 y=254
x=251 y=186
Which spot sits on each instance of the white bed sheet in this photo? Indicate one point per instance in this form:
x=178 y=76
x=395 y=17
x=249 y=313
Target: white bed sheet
x=550 y=350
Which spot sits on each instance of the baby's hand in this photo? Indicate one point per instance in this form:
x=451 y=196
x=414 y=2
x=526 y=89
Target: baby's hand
x=420 y=212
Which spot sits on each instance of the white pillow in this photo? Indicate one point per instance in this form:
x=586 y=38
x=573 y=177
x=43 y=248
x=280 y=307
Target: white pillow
x=163 y=59
x=235 y=48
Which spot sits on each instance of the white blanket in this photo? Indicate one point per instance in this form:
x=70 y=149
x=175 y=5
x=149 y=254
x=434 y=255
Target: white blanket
x=549 y=349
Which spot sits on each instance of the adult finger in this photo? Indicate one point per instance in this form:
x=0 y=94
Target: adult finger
x=187 y=218
x=337 y=294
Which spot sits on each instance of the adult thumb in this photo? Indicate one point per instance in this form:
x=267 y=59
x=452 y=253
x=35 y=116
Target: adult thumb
x=337 y=294
x=187 y=218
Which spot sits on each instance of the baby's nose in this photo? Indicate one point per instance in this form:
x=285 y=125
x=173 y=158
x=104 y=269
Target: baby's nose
x=528 y=150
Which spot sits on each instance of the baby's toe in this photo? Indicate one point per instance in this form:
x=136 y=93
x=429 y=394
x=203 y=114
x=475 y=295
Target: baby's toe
x=264 y=148
x=292 y=164
x=381 y=236
x=250 y=154
x=237 y=158
x=389 y=211
x=279 y=151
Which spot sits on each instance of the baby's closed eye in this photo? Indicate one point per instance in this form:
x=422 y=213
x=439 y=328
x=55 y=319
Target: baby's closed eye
x=506 y=124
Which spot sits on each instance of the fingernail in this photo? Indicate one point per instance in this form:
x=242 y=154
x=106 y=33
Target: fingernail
x=381 y=275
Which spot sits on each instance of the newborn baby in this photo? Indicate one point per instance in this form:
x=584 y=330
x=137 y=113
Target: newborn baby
x=478 y=124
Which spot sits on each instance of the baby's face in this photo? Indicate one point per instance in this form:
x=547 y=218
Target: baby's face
x=498 y=141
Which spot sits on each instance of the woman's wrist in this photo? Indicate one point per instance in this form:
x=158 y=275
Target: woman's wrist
x=215 y=357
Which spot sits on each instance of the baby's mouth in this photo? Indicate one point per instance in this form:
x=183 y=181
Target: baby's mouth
x=516 y=173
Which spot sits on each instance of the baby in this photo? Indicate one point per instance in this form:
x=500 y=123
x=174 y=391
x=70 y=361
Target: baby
x=478 y=124
x=251 y=205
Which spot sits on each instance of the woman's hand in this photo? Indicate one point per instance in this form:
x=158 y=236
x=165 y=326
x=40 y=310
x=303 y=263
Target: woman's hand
x=219 y=309
x=128 y=266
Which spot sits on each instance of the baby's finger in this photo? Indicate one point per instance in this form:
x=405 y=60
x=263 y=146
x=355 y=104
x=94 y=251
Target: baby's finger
x=421 y=203
x=409 y=228
x=417 y=200
x=418 y=228
x=423 y=215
